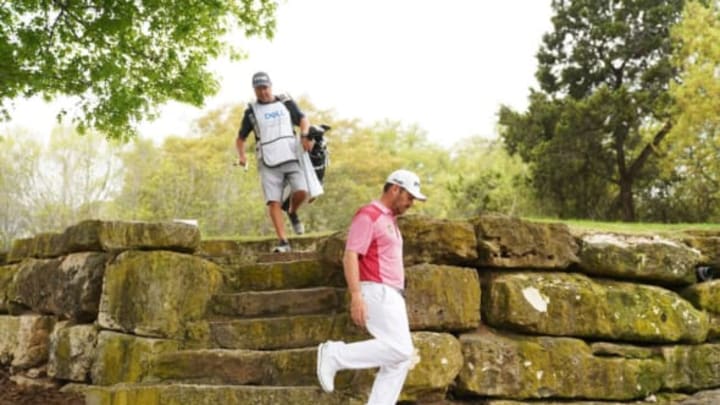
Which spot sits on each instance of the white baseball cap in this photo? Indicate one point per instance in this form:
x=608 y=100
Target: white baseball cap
x=409 y=181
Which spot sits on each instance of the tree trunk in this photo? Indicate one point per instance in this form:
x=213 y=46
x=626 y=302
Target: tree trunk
x=627 y=203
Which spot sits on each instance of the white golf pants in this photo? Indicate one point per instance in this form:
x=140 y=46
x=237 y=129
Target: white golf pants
x=391 y=349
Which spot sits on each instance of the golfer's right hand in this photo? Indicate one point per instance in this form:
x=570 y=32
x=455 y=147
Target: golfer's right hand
x=358 y=310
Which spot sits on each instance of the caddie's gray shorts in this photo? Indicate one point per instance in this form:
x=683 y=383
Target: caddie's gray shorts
x=274 y=179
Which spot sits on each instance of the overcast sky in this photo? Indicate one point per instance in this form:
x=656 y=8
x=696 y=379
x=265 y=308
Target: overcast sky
x=446 y=66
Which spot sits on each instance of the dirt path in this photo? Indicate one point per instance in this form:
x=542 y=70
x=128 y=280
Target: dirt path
x=12 y=394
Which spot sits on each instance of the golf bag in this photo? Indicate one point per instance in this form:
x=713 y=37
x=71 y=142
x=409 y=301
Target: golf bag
x=319 y=153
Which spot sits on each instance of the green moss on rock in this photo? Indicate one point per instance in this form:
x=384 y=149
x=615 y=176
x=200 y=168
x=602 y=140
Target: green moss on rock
x=566 y=304
x=429 y=240
x=692 y=367
x=442 y=298
x=524 y=367
x=124 y=358
x=653 y=260
x=72 y=351
x=704 y=295
x=510 y=242
x=156 y=293
x=7 y=274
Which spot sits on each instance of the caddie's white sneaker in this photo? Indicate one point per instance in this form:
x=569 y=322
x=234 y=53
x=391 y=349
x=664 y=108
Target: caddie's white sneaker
x=325 y=370
x=282 y=247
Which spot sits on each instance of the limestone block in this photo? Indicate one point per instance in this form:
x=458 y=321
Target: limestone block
x=47 y=245
x=279 y=332
x=186 y=394
x=439 y=354
x=24 y=340
x=281 y=275
x=708 y=245
x=714 y=327
x=83 y=236
x=571 y=304
x=72 y=351
x=34 y=285
x=21 y=249
x=659 y=399
x=42 y=245
x=236 y=367
x=440 y=361
x=523 y=367
x=429 y=240
x=82 y=278
x=156 y=293
x=69 y=287
x=510 y=242
x=442 y=298
x=7 y=274
x=692 y=367
x=623 y=350
x=121 y=358
x=116 y=236
x=651 y=259
x=704 y=295
x=332 y=249
x=248 y=251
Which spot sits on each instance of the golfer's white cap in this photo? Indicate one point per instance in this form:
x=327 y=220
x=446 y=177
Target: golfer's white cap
x=408 y=181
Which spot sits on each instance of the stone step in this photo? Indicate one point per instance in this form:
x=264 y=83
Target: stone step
x=292 y=367
x=191 y=394
x=273 y=303
x=281 y=276
x=233 y=251
x=281 y=332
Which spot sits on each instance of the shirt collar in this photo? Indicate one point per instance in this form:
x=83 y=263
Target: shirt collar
x=383 y=208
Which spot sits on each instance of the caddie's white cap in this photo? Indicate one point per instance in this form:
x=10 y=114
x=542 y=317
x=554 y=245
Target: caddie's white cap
x=408 y=181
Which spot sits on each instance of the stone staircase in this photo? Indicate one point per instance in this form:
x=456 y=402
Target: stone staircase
x=261 y=331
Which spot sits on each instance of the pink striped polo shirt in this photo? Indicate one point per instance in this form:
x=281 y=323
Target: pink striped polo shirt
x=375 y=237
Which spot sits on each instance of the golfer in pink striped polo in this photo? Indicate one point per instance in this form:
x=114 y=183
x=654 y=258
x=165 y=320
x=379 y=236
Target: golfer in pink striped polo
x=374 y=272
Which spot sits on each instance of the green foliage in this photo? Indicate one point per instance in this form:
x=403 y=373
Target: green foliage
x=486 y=179
x=690 y=179
x=194 y=178
x=361 y=160
x=603 y=108
x=120 y=58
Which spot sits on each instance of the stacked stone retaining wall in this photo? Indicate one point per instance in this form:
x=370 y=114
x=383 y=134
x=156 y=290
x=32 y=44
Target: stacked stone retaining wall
x=503 y=311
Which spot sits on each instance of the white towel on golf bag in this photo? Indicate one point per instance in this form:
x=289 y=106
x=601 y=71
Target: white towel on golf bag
x=315 y=188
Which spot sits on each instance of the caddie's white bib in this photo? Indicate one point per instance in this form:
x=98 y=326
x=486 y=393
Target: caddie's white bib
x=276 y=139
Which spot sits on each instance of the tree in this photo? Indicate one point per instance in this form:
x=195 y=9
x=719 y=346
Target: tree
x=74 y=178
x=484 y=178
x=122 y=58
x=46 y=188
x=693 y=180
x=193 y=178
x=19 y=157
x=603 y=108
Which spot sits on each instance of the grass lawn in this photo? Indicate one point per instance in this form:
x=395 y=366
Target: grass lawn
x=637 y=228
x=632 y=227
